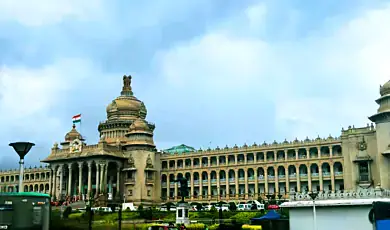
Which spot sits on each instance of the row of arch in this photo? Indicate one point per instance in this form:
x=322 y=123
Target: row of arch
x=280 y=155
x=42 y=188
x=27 y=177
x=281 y=172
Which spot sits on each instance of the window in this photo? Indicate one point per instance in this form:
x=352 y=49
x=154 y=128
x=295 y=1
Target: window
x=363 y=171
x=180 y=214
x=130 y=192
x=149 y=192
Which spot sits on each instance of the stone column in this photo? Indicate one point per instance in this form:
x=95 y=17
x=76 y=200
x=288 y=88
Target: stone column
x=331 y=151
x=50 y=183
x=80 y=178
x=192 y=187
x=309 y=178
x=218 y=185
x=176 y=191
x=332 y=177
x=256 y=184
x=227 y=185
x=102 y=178
x=97 y=179
x=246 y=184
x=321 y=181
x=200 y=186
x=118 y=181
x=287 y=180
x=168 y=187
x=298 y=178
x=69 y=189
x=209 y=185
x=236 y=183
x=266 y=180
x=307 y=153
x=54 y=188
x=89 y=179
x=276 y=180
x=105 y=179
x=61 y=170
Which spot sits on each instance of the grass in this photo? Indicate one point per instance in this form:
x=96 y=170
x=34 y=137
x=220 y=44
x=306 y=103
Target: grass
x=109 y=221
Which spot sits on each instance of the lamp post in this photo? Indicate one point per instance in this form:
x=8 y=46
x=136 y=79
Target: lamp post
x=280 y=197
x=220 y=206
x=21 y=148
x=313 y=196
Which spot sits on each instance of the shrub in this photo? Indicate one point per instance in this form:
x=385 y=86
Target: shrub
x=214 y=227
x=251 y=227
x=244 y=217
x=198 y=226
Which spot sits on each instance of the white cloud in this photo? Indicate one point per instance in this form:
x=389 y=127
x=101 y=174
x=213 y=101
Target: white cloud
x=211 y=53
x=28 y=96
x=42 y=12
x=354 y=54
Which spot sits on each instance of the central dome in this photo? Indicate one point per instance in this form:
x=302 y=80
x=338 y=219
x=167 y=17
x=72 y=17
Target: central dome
x=385 y=89
x=126 y=106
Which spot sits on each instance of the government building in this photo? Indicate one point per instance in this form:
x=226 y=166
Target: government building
x=126 y=165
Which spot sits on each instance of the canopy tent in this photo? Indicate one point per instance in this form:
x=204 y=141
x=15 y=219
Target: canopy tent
x=271 y=215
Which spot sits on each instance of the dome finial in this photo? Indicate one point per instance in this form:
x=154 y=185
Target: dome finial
x=74 y=126
x=126 y=89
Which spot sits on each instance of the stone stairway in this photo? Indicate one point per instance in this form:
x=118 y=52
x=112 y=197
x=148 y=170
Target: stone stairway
x=78 y=204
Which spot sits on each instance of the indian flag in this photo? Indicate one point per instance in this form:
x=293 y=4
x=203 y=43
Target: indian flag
x=76 y=118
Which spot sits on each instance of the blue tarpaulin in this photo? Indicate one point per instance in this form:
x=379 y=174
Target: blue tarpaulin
x=271 y=215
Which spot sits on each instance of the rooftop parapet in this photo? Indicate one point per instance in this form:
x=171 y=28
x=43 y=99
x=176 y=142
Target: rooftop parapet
x=254 y=146
x=351 y=130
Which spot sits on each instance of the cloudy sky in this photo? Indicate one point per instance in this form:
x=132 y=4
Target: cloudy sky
x=220 y=71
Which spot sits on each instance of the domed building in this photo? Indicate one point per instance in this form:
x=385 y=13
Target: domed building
x=125 y=164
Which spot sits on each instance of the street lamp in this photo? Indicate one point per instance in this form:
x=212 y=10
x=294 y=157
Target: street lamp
x=313 y=196
x=21 y=148
x=220 y=206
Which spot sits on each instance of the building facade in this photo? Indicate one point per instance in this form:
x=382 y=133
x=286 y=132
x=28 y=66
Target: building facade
x=125 y=164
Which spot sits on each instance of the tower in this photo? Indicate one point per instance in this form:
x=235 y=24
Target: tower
x=143 y=168
x=121 y=113
x=382 y=121
x=127 y=128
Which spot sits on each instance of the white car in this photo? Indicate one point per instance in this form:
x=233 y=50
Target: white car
x=244 y=207
x=225 y=207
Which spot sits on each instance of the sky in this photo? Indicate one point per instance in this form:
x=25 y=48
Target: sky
x=211 y=73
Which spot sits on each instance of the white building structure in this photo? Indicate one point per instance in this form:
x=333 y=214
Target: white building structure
x=336 y=211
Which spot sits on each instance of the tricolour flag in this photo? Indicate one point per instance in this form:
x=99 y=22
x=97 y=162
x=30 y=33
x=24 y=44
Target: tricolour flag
x=76 y=118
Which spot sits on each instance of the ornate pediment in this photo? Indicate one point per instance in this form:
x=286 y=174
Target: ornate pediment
x=76 y=146
x=362 y=145
x=362 y=154
x=149 y=163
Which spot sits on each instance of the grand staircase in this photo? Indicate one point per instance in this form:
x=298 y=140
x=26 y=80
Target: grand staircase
x=78 y=204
